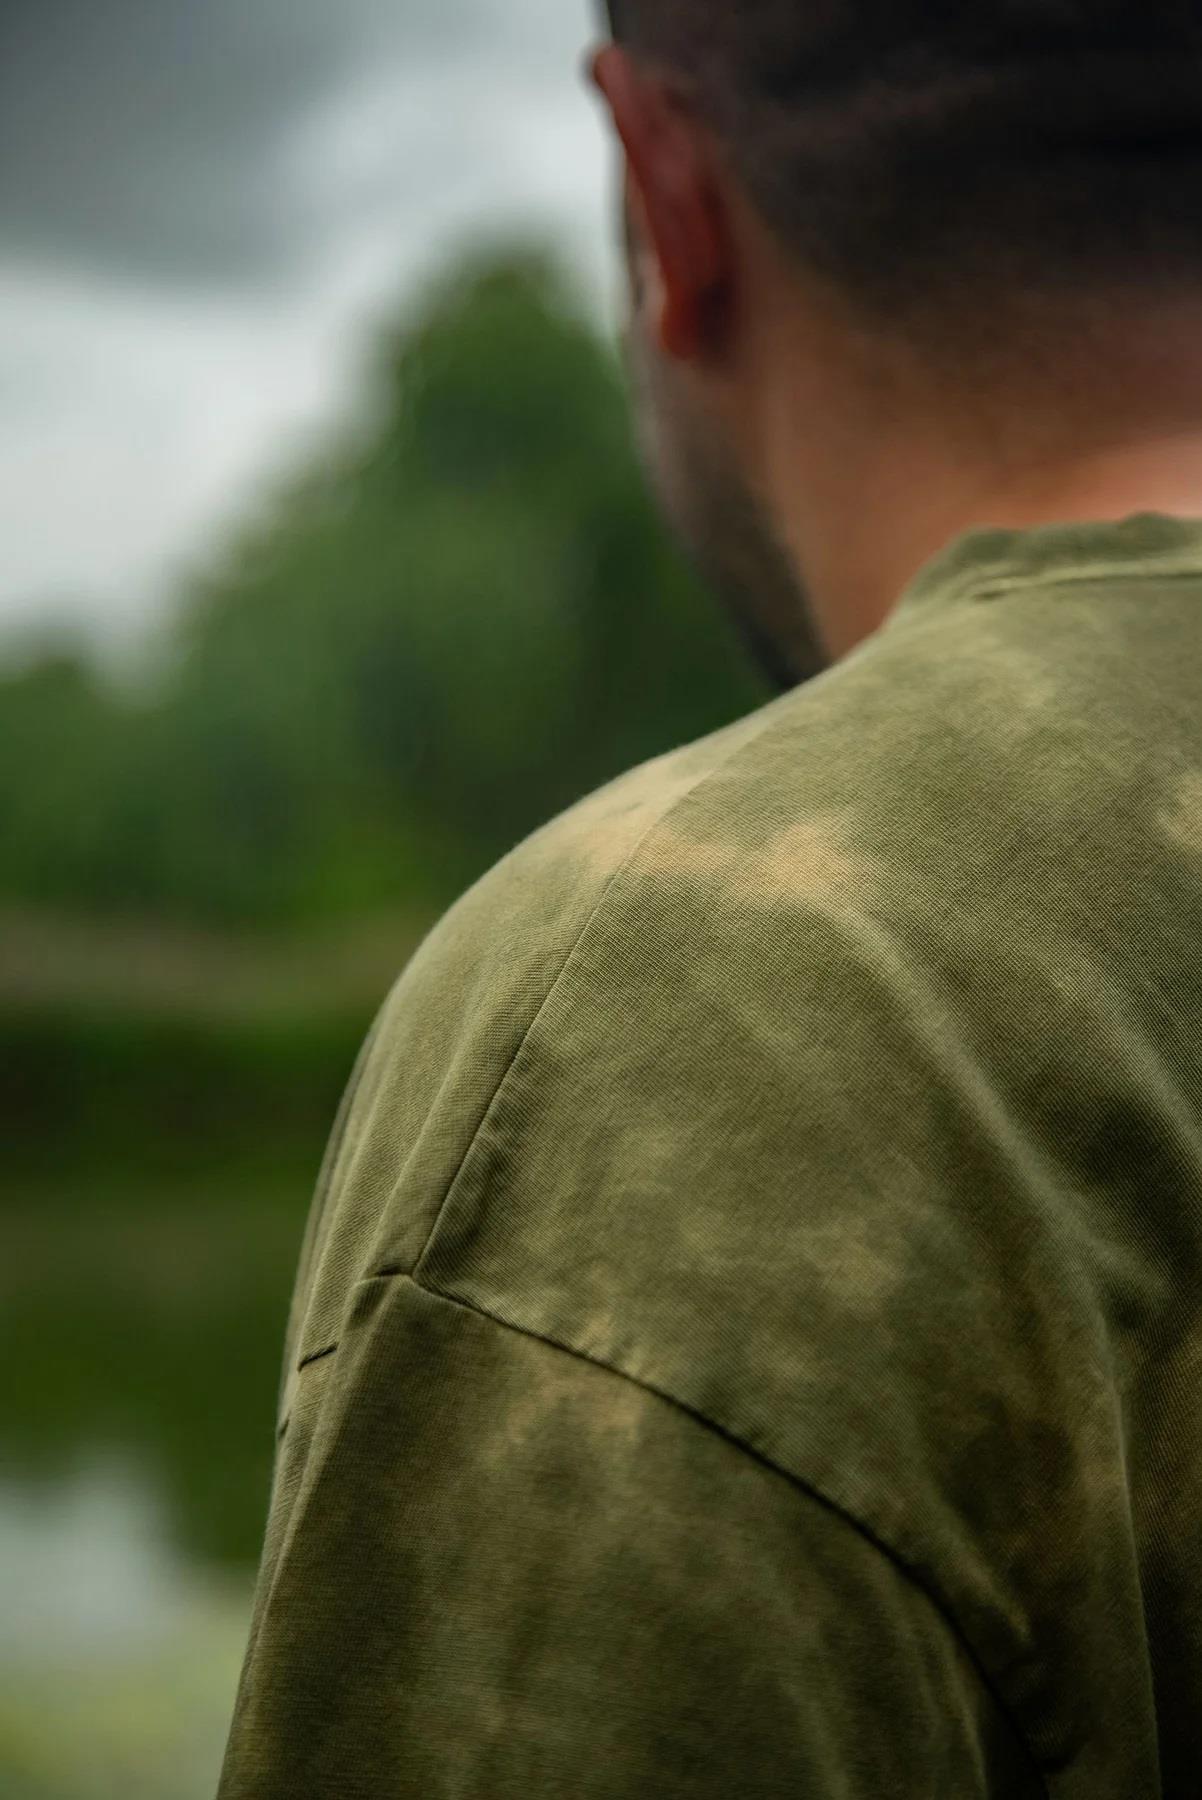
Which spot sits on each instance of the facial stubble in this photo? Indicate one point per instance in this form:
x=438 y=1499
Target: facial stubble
x=719 y=522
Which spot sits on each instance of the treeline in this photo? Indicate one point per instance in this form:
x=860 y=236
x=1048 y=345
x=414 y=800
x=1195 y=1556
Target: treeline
x=442 y=631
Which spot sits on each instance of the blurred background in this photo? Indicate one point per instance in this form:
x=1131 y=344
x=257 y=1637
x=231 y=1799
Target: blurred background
x=327 y=574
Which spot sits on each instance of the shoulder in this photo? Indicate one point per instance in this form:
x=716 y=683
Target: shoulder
x=500 y=948
x=705 y=1083
x=451 y=1027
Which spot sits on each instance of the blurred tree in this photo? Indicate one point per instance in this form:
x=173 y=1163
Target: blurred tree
x=430 y=641
x=457 y=618
x=66 y=756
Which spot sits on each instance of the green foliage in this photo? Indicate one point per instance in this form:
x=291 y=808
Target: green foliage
x=452 y=623
x=434 y=638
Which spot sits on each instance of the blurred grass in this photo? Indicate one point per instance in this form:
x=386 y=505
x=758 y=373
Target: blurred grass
x=160 y=968
x=138 y=1728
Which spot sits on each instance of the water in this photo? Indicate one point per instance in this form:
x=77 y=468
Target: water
x=140 y=1332
x=119 y=1658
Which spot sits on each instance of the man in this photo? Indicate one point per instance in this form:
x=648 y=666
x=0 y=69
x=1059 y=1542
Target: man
x=748 y=1338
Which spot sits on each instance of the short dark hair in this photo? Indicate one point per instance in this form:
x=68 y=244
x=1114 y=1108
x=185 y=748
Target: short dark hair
x=915 y=148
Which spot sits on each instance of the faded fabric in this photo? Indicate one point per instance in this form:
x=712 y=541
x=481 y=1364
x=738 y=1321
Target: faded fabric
x=748 y=1335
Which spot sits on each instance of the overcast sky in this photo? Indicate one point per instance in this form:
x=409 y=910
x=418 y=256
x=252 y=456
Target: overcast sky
x=202 y=205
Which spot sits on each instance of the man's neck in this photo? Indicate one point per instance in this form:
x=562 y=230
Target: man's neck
x=869 y=479
x=891 y=540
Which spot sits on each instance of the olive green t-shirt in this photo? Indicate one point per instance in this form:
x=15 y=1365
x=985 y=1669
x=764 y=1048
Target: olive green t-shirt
x=748 y=1335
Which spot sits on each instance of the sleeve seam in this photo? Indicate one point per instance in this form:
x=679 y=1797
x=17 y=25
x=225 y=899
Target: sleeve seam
x=808 y=1489
x=614 y=876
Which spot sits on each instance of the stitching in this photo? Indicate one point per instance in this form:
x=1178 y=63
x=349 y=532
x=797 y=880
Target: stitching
x=930 y=1593
x=772 y=709
x=517 y=1051
x=768 y=715
x=335 y=1145
x=1089 y=574
x=316 y=1356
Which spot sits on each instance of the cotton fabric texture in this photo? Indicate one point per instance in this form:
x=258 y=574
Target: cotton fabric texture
x=747 y=1339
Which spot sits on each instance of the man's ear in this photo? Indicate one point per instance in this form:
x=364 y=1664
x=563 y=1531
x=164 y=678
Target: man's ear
x=676 y=205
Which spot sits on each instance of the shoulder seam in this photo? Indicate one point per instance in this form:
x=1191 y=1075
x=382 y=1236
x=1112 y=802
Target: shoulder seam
x=554 y=986
x=810 y=1490
x=1092 y=575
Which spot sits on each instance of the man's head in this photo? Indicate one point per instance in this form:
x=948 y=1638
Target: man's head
x=912 y=186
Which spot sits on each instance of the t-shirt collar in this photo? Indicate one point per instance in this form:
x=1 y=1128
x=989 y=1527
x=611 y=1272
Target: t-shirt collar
x=990 y=561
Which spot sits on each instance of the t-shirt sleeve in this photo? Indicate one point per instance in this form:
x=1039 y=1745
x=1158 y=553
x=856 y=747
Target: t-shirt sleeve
x=495 y=1569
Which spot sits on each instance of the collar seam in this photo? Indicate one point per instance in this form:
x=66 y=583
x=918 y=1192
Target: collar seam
x=986 y=587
